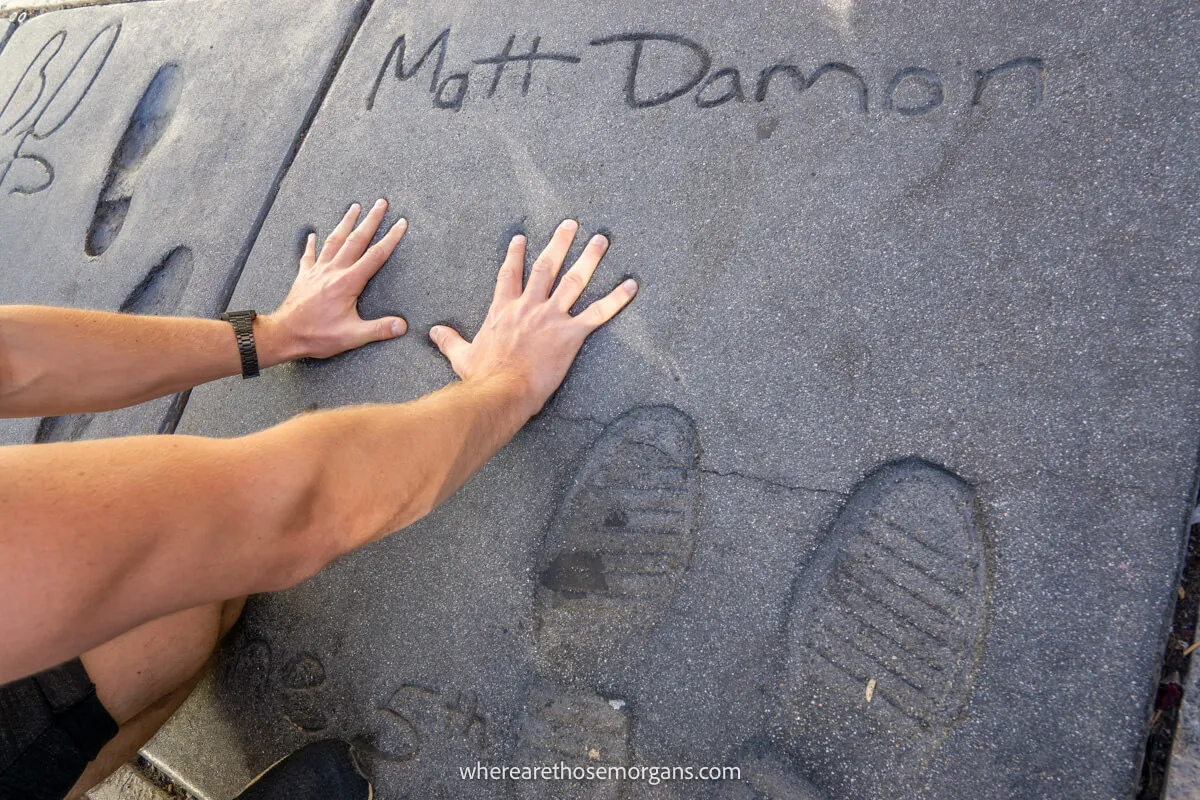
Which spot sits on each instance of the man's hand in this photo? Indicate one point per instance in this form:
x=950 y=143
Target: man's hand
x=65 y=361
x=529 y=336
x=319 y=317
x=175 y=522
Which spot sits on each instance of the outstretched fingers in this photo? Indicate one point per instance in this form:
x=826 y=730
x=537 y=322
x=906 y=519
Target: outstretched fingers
x=571 y=287
x=547 y=265
x=378 y=253
x=512 y=272
x=356 y=243
x=607 y=307
x=337 y=238
x=310 y=252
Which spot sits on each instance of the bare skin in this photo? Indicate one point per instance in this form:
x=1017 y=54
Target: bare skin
x=64 y=361
x=163 y=536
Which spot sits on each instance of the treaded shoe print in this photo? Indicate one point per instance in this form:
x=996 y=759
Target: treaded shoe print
x=41 y=103
x=149 y=122
x=617 y=549
x=886 y=629
x=577 y=728
x=610 y=567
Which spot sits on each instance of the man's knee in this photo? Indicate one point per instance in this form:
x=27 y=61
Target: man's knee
x=143 y=665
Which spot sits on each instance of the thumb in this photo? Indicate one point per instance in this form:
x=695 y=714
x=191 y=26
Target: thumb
x=449 y=342
x=384 y=328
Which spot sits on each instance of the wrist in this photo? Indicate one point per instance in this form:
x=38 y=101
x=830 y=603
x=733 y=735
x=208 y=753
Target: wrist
x=512 y=391
x=275 y=343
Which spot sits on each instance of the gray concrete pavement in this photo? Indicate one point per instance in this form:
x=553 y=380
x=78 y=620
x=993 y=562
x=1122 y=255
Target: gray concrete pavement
x=865 y=232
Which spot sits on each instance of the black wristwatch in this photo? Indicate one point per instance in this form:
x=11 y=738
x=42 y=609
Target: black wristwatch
x=243 y=330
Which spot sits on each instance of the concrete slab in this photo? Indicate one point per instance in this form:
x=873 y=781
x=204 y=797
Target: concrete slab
x=133 y=174
x=127 y=784
x=962 y=235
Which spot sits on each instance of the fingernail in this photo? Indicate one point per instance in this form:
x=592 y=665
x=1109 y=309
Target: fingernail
x=598 y=239
x=401 y=223
x=398 y=328
x=354 y=206
x=519 y=238
x=570 y=224
x=630 y=285
x=434 y=331
x=380 y=203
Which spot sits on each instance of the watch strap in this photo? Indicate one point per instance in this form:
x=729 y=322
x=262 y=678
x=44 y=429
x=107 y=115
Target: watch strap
x=243 y=331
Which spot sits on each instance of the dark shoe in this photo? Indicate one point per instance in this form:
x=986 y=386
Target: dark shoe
x=324 y=770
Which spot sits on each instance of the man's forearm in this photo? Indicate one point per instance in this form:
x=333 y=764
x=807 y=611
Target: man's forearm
x=65 y=361
x=98 y=537
x=360 y=473
x=175 y=522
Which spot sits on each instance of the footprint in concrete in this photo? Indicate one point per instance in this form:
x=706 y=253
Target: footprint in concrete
x=617 y=549
x=611 y=565
x=302 y=703
x=160 y=292
x=577 y=728
x=886 y=630
x=150 y=120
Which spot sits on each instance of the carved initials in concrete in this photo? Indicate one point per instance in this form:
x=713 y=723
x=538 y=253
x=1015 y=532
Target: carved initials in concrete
x=39 y=106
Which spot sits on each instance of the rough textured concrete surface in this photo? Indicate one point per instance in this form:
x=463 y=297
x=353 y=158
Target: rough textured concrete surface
x=127 y=784
x=139 y=144
x=28 y=7
x=867 y=232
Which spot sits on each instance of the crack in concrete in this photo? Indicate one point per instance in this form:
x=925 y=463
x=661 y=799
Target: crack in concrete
x=709 y=470
x=792 y=487
x=179 y=405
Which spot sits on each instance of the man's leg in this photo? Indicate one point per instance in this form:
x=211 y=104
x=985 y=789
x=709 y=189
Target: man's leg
x=145 y=674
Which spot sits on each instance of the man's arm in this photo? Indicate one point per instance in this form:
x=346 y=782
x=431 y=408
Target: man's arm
x=63 y=361
x=98 y=537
